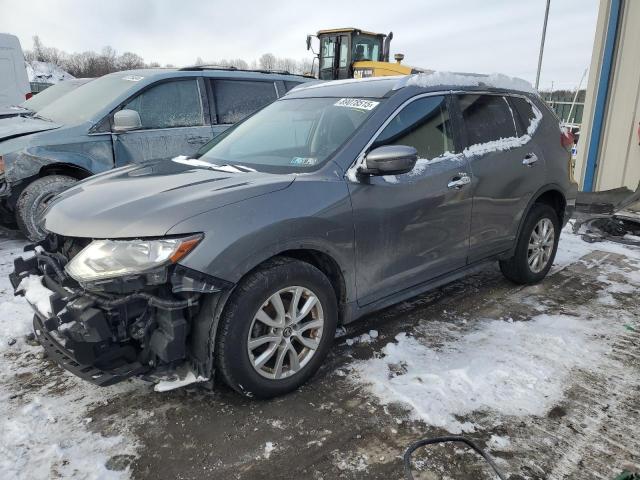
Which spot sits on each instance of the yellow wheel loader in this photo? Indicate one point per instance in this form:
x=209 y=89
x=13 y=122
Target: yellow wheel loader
x=355 y=53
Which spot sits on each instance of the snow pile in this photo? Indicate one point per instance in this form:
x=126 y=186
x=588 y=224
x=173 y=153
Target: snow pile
x=45 y=72
x=514 y=368
x=364 y=339
x=173 y=383
x=437 y=79
x=36 y=293
x=572 y=248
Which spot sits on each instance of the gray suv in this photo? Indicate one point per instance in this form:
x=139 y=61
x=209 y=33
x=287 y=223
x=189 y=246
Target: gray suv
x=123 y=117
x=337 y=200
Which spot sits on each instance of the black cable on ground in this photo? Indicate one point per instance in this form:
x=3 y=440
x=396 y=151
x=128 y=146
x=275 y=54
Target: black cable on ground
x=431 y=441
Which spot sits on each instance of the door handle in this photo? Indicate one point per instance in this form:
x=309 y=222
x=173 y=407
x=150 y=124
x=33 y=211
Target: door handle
x=530 y=160
x=459 y=181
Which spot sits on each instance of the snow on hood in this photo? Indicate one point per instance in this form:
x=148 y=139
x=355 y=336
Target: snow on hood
x=494 y=80
x=13 y=127
x=46 y=72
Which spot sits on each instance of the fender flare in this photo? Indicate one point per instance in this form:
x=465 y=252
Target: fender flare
x=204 y=328
x=541 y=191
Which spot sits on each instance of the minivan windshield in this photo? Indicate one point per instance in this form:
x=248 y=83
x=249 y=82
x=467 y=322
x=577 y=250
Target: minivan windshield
x=86 y=102
x=51 y=94
x=291 y=134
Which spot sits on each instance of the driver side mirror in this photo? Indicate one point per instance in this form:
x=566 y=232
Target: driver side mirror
x=126 y=120
x=390 y=160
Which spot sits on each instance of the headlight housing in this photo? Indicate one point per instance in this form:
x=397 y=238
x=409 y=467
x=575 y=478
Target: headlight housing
x=105 y=259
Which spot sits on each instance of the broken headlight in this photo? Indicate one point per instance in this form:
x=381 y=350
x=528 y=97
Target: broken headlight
x=104 y=259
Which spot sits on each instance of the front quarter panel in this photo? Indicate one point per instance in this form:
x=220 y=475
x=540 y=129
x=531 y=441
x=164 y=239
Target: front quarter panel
x=71 y=146
x=310 y=214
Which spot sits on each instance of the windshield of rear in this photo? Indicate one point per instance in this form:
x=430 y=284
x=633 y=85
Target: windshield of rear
x=291 y=134
x=86 y=102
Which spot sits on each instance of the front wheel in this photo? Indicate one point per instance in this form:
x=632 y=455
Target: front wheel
x=34 y=199
x=276 y=329
x=536 y=247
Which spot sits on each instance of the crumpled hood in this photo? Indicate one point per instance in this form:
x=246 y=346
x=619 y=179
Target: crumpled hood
x=146 y=200
x=17 y=126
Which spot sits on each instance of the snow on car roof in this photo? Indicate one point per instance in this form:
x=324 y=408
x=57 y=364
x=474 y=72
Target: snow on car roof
x=379 y=86
x=493 y=80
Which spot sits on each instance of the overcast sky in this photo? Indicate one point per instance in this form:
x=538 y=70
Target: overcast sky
x=481 y=36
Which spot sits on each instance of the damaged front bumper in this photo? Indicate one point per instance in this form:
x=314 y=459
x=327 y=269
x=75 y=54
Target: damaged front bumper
x=122 y=328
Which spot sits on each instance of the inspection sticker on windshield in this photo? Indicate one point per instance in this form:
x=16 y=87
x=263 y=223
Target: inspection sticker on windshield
x=356 y=103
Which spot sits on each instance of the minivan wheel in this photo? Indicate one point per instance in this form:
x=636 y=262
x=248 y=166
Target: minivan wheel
x=536 y=247
x=34 y=199
x=276 y=328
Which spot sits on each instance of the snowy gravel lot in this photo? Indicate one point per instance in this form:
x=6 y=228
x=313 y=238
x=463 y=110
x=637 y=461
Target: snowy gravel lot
x=546 y=377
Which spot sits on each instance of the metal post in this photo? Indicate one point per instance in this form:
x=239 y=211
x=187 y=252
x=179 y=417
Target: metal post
x=575 y=97
x=544 y=34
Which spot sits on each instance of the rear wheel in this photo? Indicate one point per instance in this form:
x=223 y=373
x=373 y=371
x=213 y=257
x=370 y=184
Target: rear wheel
x=536 y=247
x=276 y=329
x=34 y=199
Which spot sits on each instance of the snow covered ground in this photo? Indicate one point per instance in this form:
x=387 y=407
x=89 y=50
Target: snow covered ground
x=547 y=377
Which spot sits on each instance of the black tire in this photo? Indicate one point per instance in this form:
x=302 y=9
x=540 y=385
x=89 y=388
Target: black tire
x=33 y=200
x=517 y=268
x=231 y=356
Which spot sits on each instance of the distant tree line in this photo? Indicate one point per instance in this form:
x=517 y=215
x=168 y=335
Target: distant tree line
x=267 y=61
x=95 y=64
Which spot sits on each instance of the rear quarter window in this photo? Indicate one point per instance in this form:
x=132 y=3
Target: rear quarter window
x=487 y=118
x=288 y=85
x=523 y=111
x=237 y=99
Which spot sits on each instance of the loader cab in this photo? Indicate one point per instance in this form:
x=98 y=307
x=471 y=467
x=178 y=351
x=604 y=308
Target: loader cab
x=341 y=48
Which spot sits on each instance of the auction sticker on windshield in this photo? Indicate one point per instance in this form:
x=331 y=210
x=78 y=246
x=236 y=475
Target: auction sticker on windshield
x=356 y=103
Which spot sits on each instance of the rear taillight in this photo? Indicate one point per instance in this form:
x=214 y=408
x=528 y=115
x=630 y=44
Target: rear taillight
x=566 y=139
x=28 y=95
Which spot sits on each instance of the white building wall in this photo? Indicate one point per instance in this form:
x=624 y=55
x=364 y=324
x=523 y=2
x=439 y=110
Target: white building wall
x=619 y=154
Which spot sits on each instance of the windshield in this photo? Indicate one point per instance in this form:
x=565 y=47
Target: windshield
x=84 y=103
x=366 y=47
x=47 y=96
x=294 y=134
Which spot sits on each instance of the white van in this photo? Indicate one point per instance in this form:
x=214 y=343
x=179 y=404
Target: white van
x=14 y=83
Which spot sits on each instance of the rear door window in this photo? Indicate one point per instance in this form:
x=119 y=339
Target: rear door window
x=237 y=99
x=487 y=118
x=169 y=105
x=423 y=124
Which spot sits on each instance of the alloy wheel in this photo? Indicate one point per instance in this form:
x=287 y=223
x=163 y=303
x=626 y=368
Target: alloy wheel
x=285 y=332
x=541 y=245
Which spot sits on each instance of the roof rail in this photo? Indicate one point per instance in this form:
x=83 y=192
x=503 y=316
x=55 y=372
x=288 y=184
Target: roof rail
x=199 y=68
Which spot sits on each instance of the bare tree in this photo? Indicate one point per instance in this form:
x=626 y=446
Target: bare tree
x=129 y=61
x=267 y=61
